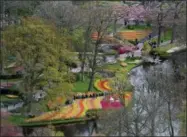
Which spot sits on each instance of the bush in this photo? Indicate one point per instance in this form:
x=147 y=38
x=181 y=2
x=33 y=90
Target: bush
x=130 y=27
x=132 y=42
x=146 y=47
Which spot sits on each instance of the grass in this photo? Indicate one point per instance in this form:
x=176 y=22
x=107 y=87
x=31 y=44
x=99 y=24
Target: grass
x=165 y=48
x=136 y=27
x=118 y=68
x=162 y=51
x=166 y=36
x=10 y=80
x=80 y=86
x=20 y=121
x=16 y=119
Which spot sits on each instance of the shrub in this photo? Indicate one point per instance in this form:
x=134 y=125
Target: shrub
x=132 y=41
x=131 y=27
x=146 y=47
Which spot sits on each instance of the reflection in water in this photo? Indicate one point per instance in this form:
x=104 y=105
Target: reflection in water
x=74 y=130
x=138 y=79
x=140 y=75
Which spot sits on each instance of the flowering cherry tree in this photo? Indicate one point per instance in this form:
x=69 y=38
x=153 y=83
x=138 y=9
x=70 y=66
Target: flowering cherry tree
x=119 y=12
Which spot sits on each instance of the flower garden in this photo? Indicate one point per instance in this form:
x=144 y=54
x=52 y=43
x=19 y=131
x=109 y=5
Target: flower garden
x=102 y=85
x=79 y=108
x=133 y=34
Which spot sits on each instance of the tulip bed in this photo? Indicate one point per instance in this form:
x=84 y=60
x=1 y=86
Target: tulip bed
x=56 y=102
x=79 y=108
x=102 y=85
x=76 y=110
x=133 y=34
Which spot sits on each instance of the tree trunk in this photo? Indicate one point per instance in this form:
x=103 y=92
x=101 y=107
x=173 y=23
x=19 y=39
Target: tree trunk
x=174 y=28
x=120 y=119
x=159 y=35
x=170 y=120
x=94 y=65
x=159 y=21
x=85 y=50
x=114 y=27
x=153 y=125
x=136 y=128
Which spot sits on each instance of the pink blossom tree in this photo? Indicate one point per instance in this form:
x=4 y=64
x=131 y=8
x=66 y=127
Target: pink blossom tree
x=137 y=13
x=119 y=12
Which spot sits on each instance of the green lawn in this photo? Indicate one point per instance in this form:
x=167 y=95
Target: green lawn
x=166 y=47
x=166 y=36
x=136 y=27
x=118 y=68
x=20 y=120
x=80 y=86
x=10 y=80
x=162 y=51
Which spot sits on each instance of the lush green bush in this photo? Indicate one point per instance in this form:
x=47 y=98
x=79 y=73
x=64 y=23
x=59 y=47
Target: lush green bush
x=159 y=52
x=146 y=47
x=153 y=40
x=133 y=42
x=131 y=27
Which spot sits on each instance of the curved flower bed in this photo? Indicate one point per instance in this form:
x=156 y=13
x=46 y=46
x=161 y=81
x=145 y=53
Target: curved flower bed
x=79 y=108
x=76 y=110
x=133 y=34
x=102 y=85
x=56 y=102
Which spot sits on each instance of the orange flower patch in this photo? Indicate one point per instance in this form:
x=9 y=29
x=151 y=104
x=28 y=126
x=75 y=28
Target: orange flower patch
x=127 y=97
x=133 y=34
x=81 y=109
x=102 y=85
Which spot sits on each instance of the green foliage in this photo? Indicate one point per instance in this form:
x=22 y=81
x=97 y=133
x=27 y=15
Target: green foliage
x=57 y=133
x=153 y=40
x=162 y=51
x=166 y=36
x=42 y=51
x=146 y=47
x=133 y=42
x=137 y=27
x=130 y=27
x=78 y=40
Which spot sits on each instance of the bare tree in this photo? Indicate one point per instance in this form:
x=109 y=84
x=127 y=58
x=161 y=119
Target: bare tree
x=63 y=13
x=102 y=17
x=158 y=11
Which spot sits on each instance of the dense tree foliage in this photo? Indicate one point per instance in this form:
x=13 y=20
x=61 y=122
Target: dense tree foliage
x=42 y=51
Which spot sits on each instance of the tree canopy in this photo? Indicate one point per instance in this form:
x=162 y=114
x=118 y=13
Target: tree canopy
x=43 y=53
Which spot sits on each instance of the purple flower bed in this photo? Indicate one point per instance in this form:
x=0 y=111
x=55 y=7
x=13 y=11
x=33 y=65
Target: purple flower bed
x=110 y=104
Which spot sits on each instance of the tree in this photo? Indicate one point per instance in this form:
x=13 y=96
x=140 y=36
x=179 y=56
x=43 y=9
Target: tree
x=42 y=51
x=177 y=11
x=102 y=17
x=63 y=13
x=119 y=12
x=157 y=13
x=155 y=107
